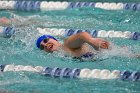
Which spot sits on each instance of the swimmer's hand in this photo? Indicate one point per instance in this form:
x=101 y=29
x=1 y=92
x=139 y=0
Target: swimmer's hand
x=100 y=43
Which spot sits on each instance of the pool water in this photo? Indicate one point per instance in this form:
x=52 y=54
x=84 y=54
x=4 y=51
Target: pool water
x=20 y=49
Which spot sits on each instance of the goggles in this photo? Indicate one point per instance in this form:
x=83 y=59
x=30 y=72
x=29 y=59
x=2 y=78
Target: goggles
x=44 y=41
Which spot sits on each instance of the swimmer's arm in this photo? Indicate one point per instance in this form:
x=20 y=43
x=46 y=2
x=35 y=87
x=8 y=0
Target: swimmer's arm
x=9 y=22
x=5 y=21
x=76 y=41
x=18 y=23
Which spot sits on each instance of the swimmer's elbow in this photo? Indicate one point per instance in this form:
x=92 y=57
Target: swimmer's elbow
x=84 y=35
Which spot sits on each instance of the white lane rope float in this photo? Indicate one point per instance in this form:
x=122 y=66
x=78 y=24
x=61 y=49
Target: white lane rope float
x=74 y=73
x=51 y=5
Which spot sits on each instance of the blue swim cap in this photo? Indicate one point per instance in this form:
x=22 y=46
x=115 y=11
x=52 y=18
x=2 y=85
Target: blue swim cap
x=42 y=38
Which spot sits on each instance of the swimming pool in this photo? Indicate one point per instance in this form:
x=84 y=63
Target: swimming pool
x=20 y=49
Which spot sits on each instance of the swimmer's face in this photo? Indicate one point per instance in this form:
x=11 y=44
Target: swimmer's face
x=49 y=45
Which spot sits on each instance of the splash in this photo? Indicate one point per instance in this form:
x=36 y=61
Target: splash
x=117 y=51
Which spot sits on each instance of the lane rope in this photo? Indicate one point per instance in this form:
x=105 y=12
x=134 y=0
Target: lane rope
x=51 y=5
x=9 y=31
x=93 y=33
x=74 y=73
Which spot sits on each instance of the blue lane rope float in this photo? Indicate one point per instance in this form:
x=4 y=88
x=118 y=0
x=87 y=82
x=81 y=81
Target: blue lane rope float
x=7 y=32
x=51 y=5
x=75 y=73
x=2 y=68
x=27 y=5
x=93 y=33
x=135 y=36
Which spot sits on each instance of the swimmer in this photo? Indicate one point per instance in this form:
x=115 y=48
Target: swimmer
x=78 y=46
x=19 y=22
